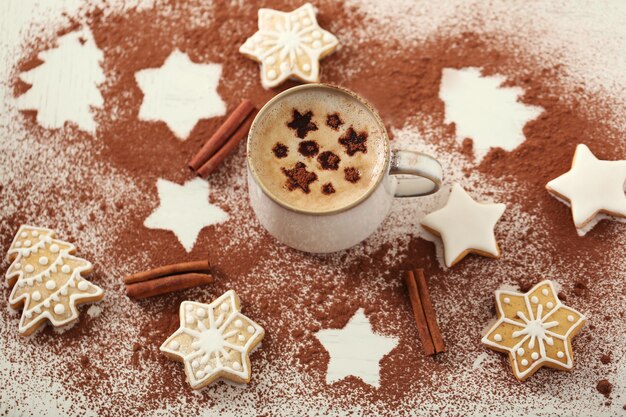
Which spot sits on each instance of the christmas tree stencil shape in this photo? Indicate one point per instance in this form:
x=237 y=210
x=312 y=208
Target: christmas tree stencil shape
x=47 y=279
x=64 y=88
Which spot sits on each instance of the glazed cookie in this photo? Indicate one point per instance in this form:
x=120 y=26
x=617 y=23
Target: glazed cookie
x=289 y=45
x=47 y=279
x=591 y=187
x=214 y=341
x=465 y=226
x=535 y=329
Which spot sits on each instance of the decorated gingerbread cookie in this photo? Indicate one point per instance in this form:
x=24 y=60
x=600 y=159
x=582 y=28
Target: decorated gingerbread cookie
x=47 y=279
x=591 y=187
x=465 y=226
x=289 y=45
x=214 y=341
x=535 y=329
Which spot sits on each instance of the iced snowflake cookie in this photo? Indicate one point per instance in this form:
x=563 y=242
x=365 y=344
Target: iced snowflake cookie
x=591 y=187
x=465 y=226
x=289 y=45
x=535 y=329
x=47 y=279
x=214 y=341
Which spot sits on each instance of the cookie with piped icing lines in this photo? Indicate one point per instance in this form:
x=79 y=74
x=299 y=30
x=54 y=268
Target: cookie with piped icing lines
x=465 y=226
x=535 y=329
x=591 y=187
x=289 y=45
x=214 y=341
x=47 y=279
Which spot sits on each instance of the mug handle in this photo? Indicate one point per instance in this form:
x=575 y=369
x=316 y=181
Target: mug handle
x=417 y=173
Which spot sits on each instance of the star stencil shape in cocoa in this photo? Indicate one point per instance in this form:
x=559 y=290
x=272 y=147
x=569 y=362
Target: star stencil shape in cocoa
x=185 y=210
x=180 y=93
x=465 y=226
x=591 y=187
x=289 y=45
x=535 y=329
x=214 y=341
x=355 y=350
x=47 y=279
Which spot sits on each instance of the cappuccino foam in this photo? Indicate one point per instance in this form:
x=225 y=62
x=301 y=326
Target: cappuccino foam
x=317 y=149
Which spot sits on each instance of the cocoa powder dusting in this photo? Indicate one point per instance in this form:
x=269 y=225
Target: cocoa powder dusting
x=280 y=150
x=111 y=360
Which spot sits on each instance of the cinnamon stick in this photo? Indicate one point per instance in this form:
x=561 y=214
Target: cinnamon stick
x=418 y=313
x=221 y=135
x=180 y=268
x=164 y=285
x=429 y=311
x=214 y=162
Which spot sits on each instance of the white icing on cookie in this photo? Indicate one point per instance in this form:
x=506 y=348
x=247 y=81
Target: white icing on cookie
x=39 y=286
x=289 y=45
x=210 y=344
x=592 y=186
x=465 y=226
x=535 y=330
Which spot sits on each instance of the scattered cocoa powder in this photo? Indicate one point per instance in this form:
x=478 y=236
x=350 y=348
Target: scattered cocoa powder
x=407 y=82
x=604 y=387
x=329 y=160
x=605 y=359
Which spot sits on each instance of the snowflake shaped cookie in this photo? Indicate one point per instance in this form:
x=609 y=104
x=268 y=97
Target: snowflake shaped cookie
x=289 y=45
x=214 y=341
x=591 y=187
x=47 y=279
x=535 y=329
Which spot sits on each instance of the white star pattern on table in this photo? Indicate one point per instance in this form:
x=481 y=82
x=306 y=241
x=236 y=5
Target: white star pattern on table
x=591 y=186
x=214 y=341
x=289 y=44
x=185 y=210
x=180 y=93
x=355 y=350
x=465 y=226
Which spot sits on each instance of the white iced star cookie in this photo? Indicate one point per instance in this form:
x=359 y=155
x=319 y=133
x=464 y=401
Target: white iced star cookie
x=591 y=187
x=180 y=93
x=355 y=350
x=185 y=210
x=214 y=341
x=289 y=45
x=535 y=329
x=47 y=279
x=465 y=226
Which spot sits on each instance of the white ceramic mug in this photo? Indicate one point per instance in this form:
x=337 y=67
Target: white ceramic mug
x=407 y=174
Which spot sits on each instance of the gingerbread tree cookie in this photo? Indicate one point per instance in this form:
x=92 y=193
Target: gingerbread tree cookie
x=535 y=329
x=214 y=341
x=289 y=45
x=47 y=279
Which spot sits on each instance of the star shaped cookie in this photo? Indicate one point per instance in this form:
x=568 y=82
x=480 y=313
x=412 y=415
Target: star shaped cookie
x=535 y=329
x=591 y=187
x=289 y=45
x=465 y=226
x=214 y=341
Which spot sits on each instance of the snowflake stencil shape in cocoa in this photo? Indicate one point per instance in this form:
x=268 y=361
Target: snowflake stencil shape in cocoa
x=289 y=45
x=214 y=341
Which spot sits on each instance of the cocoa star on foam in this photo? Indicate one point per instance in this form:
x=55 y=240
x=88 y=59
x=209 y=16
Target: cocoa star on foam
x=289 y=45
